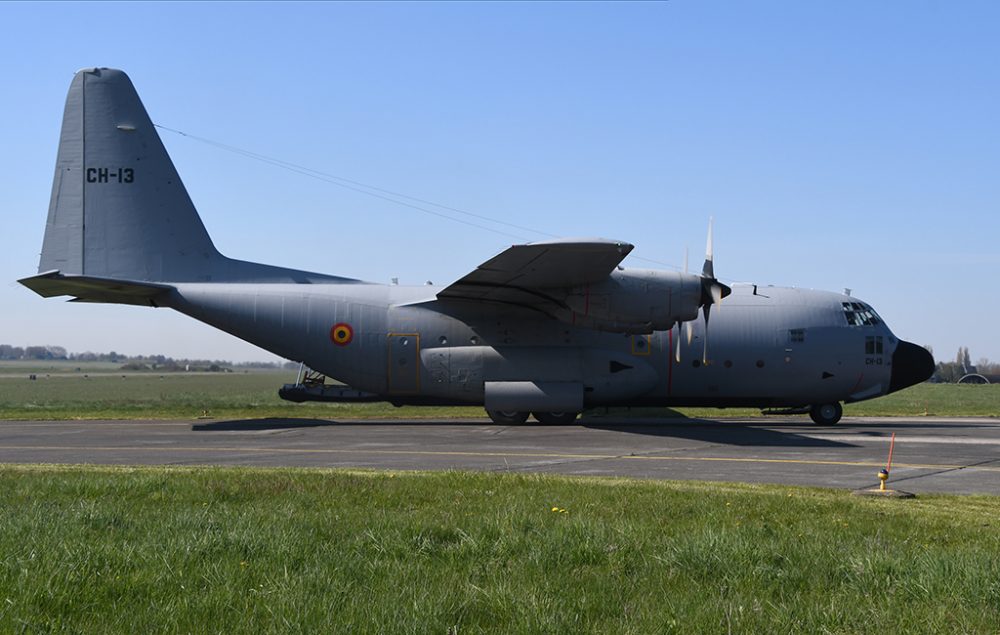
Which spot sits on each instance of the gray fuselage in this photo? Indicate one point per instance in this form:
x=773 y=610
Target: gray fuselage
x=769 y=346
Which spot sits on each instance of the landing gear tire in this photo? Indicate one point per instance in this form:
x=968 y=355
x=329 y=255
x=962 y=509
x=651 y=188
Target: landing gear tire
x=555 y=418
x=507 y=417
x=826 y=414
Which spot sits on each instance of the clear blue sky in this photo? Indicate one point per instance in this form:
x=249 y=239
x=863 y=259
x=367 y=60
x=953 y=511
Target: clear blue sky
x=837 y=144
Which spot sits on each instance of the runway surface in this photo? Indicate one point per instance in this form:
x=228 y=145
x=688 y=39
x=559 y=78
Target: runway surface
x=931 y=454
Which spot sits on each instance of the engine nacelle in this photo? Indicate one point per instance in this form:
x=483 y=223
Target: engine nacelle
x=637 y=300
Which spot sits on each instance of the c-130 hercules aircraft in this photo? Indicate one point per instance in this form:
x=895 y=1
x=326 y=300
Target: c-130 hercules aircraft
x=548 y=328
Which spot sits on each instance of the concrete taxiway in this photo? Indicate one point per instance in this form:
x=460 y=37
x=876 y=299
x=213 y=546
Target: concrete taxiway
x=931 y=454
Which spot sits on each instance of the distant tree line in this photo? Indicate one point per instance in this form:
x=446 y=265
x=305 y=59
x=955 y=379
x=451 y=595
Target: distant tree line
x=160 y=363
x=951 y=372
x=32 y=352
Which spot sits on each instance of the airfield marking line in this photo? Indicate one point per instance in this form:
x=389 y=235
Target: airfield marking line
x=534 y=455
x=903 y=439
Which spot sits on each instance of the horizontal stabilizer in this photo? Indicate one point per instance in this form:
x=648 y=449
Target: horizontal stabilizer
x=90 y=289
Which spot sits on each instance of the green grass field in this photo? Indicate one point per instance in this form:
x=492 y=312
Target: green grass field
x=101 y=393
x=178 y=396
x=113 y=550
x=247 y=550
x=20 y=368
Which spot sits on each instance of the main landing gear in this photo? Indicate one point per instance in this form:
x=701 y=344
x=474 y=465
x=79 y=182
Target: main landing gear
x=826 y=414
x=513 y=417
x=507 y=417
x=555 y=418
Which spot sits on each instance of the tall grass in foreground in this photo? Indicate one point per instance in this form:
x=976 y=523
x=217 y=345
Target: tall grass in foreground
x=251 y=550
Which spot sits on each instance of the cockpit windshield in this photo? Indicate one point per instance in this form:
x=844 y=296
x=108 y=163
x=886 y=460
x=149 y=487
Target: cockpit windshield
x=860 y=314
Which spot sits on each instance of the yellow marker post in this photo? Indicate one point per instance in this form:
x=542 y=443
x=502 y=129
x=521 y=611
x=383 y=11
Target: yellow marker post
x=883 y=477
x=883 y=474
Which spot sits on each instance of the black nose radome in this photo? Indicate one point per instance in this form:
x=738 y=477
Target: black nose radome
x=911 y=364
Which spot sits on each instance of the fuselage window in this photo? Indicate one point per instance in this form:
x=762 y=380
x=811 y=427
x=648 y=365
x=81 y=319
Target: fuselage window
x=796 y=335
x=873 y=345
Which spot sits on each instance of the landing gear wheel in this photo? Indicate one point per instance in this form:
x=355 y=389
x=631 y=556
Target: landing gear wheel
x=507 y=417
x=826 y=414
x=555 y=418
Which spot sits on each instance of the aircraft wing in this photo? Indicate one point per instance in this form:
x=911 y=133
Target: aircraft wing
x=522 y=273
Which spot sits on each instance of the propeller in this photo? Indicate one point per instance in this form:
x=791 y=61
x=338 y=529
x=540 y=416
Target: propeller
x=712 y=293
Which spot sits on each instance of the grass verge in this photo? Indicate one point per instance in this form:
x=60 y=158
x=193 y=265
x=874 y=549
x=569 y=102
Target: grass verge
x=255 y=395
x=252 y=550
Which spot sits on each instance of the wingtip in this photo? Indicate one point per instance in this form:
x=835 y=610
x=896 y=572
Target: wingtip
x=621 y=244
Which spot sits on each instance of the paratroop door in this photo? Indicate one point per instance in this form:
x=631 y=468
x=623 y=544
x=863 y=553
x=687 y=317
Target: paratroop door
x=404 y=363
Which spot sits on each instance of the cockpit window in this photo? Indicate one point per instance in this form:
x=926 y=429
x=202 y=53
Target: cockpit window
x=859 y=314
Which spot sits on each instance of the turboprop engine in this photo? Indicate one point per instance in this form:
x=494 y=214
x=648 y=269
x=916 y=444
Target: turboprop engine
x=647 y=300
x=638 y=301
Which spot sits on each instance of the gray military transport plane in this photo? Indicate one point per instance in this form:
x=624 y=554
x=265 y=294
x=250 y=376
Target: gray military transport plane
x=548 y=328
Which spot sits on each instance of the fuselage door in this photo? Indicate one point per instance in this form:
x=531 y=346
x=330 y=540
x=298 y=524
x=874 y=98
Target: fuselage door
x=404 y=363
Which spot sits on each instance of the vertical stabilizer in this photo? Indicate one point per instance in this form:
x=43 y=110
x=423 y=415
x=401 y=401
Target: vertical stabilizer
x=118 y=208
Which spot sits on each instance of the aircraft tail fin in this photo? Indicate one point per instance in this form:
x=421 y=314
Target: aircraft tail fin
x=119 y=210
x=118 y=207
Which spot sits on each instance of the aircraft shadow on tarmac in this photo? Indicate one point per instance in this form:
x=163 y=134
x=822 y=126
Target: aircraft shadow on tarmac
x=291 y=423
x=250 y=425
x=704 y=430
x=723 y=433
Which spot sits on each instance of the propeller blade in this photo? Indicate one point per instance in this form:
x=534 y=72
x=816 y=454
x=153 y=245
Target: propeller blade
x=704 y=356
x=717 y=295
x=708 y=270
x=678 y=354
x=690 y=331
x=685 y=260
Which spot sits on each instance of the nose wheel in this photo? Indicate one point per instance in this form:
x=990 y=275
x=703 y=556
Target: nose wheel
x=826 y=414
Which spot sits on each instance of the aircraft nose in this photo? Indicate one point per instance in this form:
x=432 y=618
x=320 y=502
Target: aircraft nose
x=911 y=364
